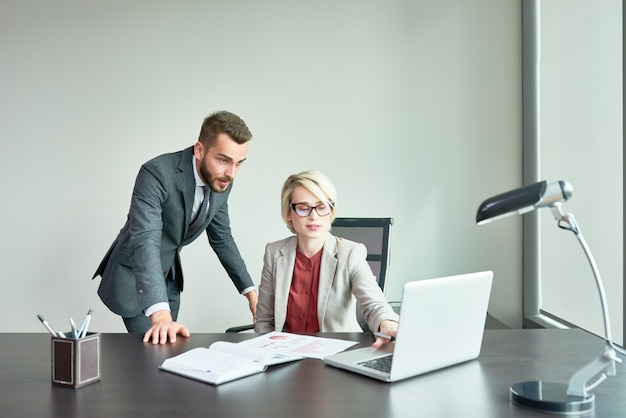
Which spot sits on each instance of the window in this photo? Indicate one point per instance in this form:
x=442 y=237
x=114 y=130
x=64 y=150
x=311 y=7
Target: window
x=581 y=141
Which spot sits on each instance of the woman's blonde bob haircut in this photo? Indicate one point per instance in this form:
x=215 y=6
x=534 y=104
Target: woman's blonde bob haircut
x=316 y=183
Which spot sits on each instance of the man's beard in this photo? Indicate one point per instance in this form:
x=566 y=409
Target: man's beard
x=211 y=181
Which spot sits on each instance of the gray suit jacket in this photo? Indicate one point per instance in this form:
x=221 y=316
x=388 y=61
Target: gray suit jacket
x=345 y=280
x=134 y=268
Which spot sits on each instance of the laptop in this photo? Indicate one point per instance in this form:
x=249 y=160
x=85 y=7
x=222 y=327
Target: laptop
x=441 y=324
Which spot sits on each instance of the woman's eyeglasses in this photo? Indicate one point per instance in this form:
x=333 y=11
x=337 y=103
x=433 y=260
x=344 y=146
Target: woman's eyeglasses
x=303 y=210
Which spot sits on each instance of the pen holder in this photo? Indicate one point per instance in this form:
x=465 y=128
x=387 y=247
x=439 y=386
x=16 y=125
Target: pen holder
x=76 y=362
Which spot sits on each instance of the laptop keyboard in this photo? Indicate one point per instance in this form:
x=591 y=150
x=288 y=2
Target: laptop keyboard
x=382 y=364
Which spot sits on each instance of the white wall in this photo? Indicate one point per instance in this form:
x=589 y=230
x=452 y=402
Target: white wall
x=411 y=107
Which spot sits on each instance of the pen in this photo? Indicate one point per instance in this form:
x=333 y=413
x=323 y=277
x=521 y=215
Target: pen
x=83 y=328
x=73 y=325
x=48 y=327
x=385 y=336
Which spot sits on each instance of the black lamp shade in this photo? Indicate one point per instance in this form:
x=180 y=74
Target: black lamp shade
x=511 y=201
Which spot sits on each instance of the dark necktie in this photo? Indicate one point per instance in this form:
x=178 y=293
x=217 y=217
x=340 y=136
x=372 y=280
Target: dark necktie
x=201 y=215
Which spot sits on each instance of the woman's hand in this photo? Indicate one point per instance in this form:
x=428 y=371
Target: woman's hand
x=386 y=333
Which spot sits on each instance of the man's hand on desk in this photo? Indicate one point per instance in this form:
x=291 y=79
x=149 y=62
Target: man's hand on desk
x=164 y=328
x=386 y=333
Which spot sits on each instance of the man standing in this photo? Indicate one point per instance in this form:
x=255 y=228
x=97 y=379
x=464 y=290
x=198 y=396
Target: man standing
x=176 y=197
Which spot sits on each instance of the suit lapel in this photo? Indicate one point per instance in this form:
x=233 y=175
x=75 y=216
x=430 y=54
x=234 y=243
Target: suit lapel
x=216 y=201
x=328 y=272
x=187 y=183
x=285 y=263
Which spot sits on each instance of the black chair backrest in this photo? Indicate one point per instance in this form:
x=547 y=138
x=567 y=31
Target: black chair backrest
x=375 y=234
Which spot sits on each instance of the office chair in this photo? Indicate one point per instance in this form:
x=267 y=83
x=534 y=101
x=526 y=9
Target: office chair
x=375 y=234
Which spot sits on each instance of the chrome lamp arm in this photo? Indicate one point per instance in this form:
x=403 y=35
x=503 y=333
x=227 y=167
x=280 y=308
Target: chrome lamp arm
x=596 y=371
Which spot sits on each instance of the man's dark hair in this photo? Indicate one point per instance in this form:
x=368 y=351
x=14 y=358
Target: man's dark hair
x=223 y=122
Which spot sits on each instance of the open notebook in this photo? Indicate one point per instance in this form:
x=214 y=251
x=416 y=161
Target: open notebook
x=441 y=324
x=224 y=361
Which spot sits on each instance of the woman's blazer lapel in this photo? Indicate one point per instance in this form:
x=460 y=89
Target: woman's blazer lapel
x=285 y=262
x=328 y=272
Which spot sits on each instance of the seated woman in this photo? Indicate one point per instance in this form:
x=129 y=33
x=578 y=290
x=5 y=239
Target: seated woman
x=311 y=282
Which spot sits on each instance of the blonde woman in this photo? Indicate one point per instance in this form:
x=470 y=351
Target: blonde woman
x=312 y=281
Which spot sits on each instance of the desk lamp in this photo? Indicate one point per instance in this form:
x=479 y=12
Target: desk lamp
x=557 y=398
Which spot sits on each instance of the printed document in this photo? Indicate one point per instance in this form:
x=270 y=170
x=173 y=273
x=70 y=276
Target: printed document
x=295 y=344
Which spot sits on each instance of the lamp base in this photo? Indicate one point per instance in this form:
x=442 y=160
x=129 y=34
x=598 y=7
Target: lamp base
x=551 y=398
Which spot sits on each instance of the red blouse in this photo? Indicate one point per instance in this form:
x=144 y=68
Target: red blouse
x=302 y=303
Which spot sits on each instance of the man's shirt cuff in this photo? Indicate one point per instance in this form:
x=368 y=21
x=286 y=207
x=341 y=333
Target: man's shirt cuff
x=248 y=290
x=161 y=306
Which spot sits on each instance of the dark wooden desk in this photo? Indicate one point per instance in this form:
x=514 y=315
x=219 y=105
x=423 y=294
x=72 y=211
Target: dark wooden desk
x=132 y=386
